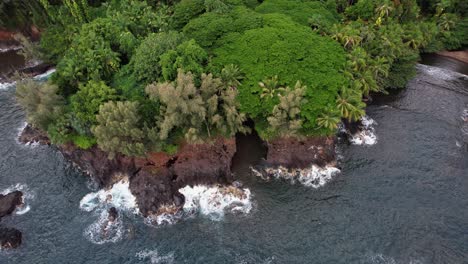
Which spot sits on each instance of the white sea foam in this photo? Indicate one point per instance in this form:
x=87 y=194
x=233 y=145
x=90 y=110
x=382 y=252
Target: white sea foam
x=366 y=135
x=10 y=48
x=6 y=85
x=154 y=257
x=44 y=75
x=215 y=201
x=39 y=77
x=314 y=176
x=104 y=231
x=28 y=196
x=118 y=196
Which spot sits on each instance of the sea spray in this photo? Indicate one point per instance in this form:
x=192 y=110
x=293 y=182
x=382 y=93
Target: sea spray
x=215 y=201
x=119 y=196
x=366 y=134
x=154 y=257
x=104 y=231
x=27 y=197
x=212 y=201
x=313 y=176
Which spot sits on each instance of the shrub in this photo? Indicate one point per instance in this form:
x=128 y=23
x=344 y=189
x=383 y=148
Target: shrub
x=40 y=101
x=186 y=10
x=146 y=62
x=208 y=28
x=85 y=103
x=188 y=56
x=299 y=11
x=117 y=129
x=292 y=52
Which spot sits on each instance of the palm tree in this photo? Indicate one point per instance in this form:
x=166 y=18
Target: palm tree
x=328 y=121
x=384 y=9
x=231 y=76
x=270 y=86
x=349 y=103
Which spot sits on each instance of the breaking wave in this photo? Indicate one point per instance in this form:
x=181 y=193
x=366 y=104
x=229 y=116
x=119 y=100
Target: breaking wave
x=154 y=257
x=105 y=231
x=209 y=201
x=39 y=77
x=382 y=259
x=28 y=196
x=314 y=176
x=215 y=201
x=366 y=134
x=119 y=196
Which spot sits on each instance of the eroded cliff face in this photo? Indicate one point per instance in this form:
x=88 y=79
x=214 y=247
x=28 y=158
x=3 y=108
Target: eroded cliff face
x=155 y=180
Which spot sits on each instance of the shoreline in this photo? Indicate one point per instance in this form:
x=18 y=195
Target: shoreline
x=461 y=55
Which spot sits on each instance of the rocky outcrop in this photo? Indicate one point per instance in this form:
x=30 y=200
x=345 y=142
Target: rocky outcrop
x=33 y=135
x=300 y=153
x=10 y=238
x=9 y=202
x=155 y=179
x=97 y=164
x=156 y=184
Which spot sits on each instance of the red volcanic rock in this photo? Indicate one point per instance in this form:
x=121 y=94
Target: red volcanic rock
x=300 y=153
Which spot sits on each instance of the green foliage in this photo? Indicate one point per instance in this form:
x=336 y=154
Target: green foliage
x=118 y=129
x=292 y=52
x=83 y=142
x=147 y=60
x=85 y=103
x=285 y=119
x=209 y=28
x=29 y=50
x=188 y=56
x=186 y=10
x=197 y=112
x=40 y=101
x=363 y=9
x=299 y=11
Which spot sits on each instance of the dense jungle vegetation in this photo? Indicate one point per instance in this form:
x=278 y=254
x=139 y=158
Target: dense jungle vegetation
x=139 y=76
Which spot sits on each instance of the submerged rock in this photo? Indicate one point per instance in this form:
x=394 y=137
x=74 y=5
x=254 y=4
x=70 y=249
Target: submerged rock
x=10 y=238
x=112 y=214
x=9 y=202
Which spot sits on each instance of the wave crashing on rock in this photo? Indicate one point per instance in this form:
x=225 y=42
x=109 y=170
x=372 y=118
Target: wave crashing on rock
x=210 y=201
x=27 y=197
x=105 y=230
x=366 y=135
x=313 y=176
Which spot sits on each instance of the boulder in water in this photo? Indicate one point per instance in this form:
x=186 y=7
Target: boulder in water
x=113 y=214
x=10 y=238
x=9 y=202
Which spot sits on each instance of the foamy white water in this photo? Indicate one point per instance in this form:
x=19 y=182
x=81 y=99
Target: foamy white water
x=45 y=75
x=314 y=176
x=154 y=257
x=28 y=196
x=104 y=231
x=119 y=196
x=215 y=201
x=366 y=136
x=39 y=77
x=6 y=85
